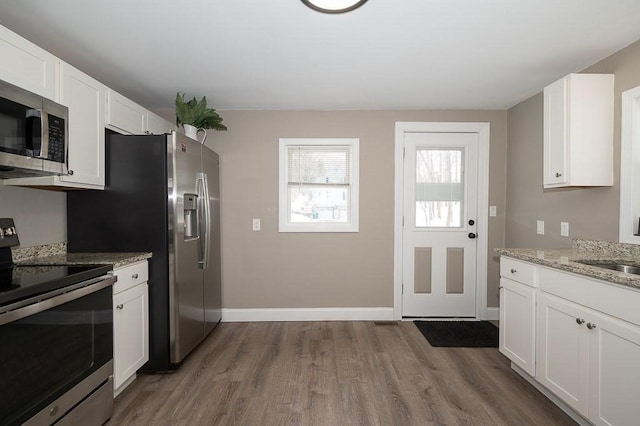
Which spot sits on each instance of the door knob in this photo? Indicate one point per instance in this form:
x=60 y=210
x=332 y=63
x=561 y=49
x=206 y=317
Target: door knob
x=472 y=235
x=472 y=222
x=591 y=325
x=580 y=321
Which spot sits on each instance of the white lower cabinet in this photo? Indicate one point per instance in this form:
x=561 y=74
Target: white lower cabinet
x=563 y=350
x=578 y=337
x=614 y=371
x=590 y=360
x=130 y=323
x=517 y=324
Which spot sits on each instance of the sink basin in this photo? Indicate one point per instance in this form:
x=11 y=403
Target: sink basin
x=621 y=267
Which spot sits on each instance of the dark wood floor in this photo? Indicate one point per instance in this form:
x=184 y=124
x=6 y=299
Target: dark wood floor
x=334 y=373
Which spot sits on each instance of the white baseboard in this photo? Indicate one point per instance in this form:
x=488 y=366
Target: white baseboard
x=308 y=314
x=493 y=314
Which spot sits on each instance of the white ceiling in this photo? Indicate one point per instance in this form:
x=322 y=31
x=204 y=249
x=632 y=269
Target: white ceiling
x=278 y=54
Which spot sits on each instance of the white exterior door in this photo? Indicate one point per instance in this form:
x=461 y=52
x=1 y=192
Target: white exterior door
x=440 y=211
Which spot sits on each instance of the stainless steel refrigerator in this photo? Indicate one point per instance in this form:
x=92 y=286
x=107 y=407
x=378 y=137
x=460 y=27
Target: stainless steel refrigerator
x=162 y=195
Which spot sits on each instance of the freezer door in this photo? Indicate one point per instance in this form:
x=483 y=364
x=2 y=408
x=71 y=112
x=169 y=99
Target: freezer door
x=212 y=266
x=186 y=308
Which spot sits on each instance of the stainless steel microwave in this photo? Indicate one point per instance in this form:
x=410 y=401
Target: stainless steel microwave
x=33 y=134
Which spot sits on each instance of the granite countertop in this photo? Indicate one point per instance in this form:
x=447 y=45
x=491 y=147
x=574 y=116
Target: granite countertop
x=568 y=259
x=56 y=254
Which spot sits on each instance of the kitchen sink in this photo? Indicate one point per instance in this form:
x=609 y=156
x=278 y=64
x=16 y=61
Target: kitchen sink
x=614 y=266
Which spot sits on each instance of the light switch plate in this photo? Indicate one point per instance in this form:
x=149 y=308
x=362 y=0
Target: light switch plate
x=540 y=227
x=493 y=211
x=564 y=229
x=256 y=224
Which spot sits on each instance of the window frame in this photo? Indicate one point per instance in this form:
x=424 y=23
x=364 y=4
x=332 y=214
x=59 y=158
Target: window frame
x=283 y=179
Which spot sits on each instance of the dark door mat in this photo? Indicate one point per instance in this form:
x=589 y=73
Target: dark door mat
x=459 y=334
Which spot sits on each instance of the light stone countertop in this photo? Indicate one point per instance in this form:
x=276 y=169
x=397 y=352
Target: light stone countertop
x=588 y=251
x=56 y=254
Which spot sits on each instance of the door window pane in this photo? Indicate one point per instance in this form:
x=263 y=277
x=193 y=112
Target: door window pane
x=439 y=189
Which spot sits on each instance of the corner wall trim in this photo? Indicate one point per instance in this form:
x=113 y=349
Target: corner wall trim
x=307 y=314
x=493 y=314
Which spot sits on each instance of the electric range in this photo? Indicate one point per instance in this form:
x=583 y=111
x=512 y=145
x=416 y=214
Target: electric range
x=56 y=328
x=19 y=282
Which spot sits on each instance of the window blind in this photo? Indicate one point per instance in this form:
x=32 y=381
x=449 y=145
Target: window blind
x=318 y=165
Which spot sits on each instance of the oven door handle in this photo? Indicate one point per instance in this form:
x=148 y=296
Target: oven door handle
x=55 y=298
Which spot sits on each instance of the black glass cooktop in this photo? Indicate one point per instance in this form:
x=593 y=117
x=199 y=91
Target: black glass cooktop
x=21 y=282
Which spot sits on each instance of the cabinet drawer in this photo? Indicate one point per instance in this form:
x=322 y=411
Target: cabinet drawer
x=130 y=276
x=612 y=299
x=516 y=270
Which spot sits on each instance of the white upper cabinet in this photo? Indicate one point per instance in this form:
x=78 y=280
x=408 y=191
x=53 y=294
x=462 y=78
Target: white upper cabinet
x=157 y=125
x=85 y=98
x=125 y=116
x=26 y=65
x=578 y=131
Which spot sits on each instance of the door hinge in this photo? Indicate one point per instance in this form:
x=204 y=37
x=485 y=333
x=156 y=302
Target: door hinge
x=402 y=288
x=404 y=152
x=402 y=220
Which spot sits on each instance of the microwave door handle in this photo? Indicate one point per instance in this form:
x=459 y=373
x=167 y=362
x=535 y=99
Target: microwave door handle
x=44 y=133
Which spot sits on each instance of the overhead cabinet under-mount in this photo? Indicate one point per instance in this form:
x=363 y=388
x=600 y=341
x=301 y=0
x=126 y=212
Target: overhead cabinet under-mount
x=578 y=131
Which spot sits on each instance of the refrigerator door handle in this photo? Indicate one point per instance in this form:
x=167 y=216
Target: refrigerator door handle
x=207 y=221
x=200 y=190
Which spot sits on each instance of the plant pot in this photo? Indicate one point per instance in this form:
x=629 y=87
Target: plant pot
x=191 y=131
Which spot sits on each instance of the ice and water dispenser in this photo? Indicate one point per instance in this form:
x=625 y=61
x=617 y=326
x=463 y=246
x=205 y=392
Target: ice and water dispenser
x=190 y=216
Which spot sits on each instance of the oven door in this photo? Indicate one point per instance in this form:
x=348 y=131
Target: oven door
x=52 y=346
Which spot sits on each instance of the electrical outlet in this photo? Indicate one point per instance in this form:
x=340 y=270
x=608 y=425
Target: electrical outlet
x=493 y=211
x=564 y=229
x=256 y=224
x=540 y=227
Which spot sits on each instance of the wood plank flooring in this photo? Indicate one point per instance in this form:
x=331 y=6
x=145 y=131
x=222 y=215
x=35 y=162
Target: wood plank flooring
x=334 y=373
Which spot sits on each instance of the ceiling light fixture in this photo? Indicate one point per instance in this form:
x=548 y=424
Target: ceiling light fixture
x=334 y=6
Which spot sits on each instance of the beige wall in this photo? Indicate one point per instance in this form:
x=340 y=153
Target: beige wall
x=267 y=269
x=592 y=213
x=40 y=216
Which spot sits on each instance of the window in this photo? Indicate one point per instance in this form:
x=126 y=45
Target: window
x=439 y=187
x=318 y=185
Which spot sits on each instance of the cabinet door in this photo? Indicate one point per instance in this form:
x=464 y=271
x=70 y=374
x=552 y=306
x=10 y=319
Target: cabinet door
x=124 y=115
x=157 y=125
x=562 y=350
x=84 y=97
x=517 y=324
x=130 y=333
x=26 y=65
x=555 y=142
x=614 y=371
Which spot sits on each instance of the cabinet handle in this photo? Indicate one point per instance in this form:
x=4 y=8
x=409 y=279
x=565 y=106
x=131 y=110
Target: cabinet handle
x=499 y=287
x=134 y=276
x=120 y=306
x=514 y=270
x=580 y=321
x=558 y=174
x=70 y=172
x=591 y=326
